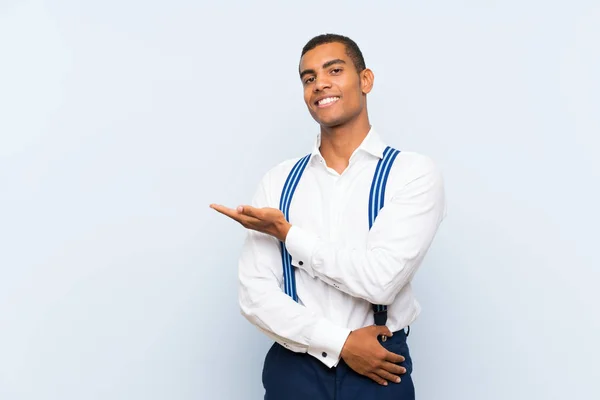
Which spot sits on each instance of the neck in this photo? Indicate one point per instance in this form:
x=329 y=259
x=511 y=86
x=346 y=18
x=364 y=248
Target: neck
x=338 y=143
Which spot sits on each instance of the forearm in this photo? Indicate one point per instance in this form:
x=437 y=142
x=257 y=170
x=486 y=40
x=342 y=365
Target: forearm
x=294 y=327
x=373 y=274
x=265 y=305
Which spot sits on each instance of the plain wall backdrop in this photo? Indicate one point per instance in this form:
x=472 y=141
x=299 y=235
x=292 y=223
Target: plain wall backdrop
x=121 y=121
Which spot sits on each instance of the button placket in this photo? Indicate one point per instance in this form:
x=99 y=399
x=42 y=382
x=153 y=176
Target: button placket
x=334 y=210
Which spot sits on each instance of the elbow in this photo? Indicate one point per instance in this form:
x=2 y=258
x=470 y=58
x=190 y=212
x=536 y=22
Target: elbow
x=383 y=293
x=384 y=298
x=250 y=302
x=245 y=304
x=390 y=285
x=244 y=311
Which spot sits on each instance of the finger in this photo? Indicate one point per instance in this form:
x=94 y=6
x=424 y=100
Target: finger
x=231 y=213
x=377 y=379
x=388 y=376
x=393 y=368
x=249 y=211
x=383 y=330
x=393 y=357
x=248 y=222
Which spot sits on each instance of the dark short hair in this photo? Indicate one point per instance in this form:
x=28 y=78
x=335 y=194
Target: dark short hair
x=352 y=49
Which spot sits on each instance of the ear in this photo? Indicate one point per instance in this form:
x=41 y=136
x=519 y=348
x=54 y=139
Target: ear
x=366 y=80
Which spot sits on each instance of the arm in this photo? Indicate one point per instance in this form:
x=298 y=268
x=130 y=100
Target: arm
x=395 y=245
x=293 y=326
x=265 y=305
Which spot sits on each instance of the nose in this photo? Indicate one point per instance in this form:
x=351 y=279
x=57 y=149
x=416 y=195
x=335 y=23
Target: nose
x=322 y=83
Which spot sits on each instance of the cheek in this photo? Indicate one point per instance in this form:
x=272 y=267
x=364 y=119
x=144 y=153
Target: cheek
x=307 y=95
x=354 y=96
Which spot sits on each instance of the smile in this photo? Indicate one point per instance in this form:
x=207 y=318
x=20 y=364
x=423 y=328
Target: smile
x=327 y=101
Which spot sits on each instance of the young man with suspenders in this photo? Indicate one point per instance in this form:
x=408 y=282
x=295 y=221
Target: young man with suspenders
x=334 y=239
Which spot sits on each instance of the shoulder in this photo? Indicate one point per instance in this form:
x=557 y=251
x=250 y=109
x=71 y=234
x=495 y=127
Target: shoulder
x=417 y=180
x=412 y=162
x=411 y=166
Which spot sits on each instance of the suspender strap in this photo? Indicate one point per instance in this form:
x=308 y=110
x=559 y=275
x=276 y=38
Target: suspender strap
x=376 y=201
x=289 y=278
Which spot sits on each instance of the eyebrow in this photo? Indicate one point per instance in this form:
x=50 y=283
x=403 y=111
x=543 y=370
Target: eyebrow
x=326 y=65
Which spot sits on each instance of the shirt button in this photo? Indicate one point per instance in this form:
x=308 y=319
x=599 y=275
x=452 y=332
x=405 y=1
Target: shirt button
x=324 y=354
x=300 y=263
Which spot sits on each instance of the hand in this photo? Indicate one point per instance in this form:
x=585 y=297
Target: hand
x=365 y=355
x=266 y=220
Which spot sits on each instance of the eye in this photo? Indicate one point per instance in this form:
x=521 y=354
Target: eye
x=309 y=80
x=336 y=71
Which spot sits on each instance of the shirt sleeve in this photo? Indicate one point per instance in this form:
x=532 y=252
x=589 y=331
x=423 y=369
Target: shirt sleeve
x=395 y=246
x=263 y=302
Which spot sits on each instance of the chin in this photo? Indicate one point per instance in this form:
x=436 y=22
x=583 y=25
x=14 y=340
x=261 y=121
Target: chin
x=330 y=122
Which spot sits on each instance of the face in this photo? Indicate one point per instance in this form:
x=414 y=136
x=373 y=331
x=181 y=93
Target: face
x=334 y=92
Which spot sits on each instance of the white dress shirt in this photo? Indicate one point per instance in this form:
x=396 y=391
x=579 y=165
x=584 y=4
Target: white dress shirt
x=341 y=266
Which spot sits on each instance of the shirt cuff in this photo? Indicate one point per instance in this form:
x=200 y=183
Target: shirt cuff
x=327 y=342
x=301 y=245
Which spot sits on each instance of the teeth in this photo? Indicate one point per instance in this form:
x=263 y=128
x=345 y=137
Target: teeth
x=328 y=100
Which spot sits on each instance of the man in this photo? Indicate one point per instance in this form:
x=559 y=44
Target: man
x=317 y=276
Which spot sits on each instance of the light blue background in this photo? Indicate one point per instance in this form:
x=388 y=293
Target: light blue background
x=120 y=121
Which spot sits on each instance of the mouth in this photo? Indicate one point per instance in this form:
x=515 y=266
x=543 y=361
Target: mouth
x=327 y=101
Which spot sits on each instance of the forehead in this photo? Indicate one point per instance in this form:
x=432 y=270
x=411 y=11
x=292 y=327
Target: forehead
x=315 y=58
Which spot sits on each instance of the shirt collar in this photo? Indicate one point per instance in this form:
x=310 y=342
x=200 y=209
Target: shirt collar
x=372 y=144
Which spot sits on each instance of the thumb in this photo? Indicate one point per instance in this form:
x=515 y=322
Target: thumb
x=383 y=330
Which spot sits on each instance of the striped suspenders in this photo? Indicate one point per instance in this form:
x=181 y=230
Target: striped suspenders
x=376 y=200
x=289 y=278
